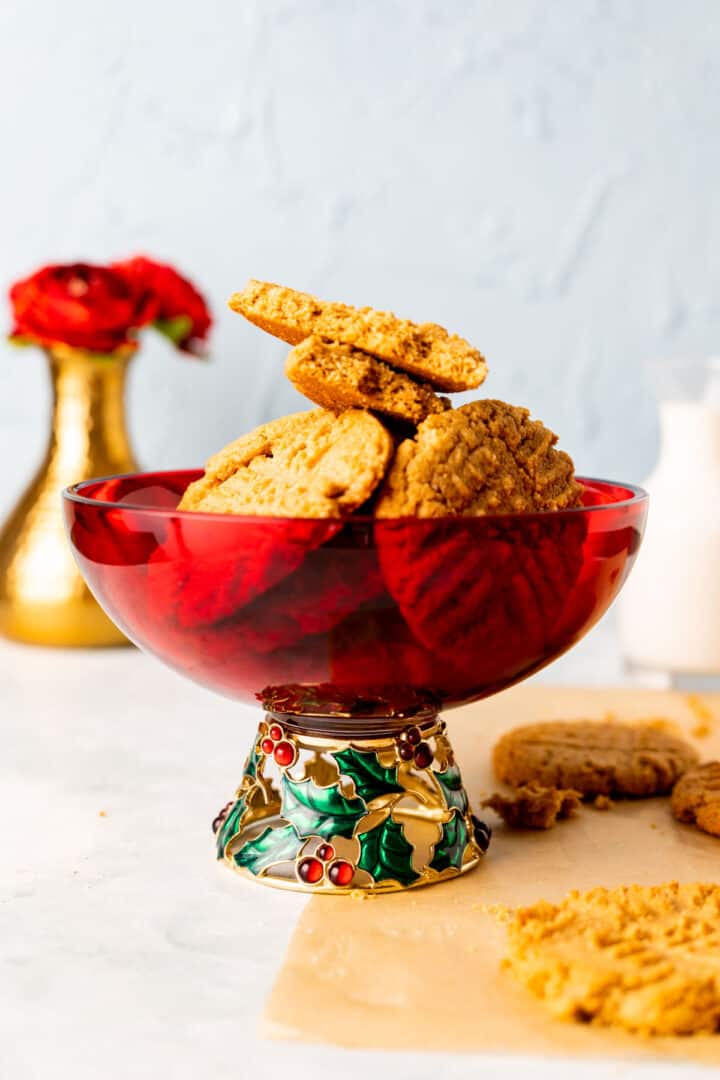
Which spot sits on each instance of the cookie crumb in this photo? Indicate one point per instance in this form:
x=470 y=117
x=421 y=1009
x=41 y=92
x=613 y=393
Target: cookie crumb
x=533 y=806
x=703 y=716
x=661 y=723
x=501 y=913
x=602 y=802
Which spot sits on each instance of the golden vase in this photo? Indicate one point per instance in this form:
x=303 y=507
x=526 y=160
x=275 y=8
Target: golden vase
x=43 y=598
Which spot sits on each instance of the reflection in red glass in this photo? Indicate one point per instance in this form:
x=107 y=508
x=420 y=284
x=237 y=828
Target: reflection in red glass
x=363 y=617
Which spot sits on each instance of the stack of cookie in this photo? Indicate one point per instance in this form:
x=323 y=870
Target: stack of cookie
x=384 y=430
x=347 y=357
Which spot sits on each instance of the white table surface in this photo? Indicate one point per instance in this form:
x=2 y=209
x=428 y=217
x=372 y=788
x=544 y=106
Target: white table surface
x=126 y=951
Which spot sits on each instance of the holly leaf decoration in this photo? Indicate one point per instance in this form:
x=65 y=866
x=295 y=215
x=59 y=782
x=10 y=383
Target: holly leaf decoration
x=252 y=762
x=230 y=826
x=386 y=854
x=370 y=777
x=270 y=847
x=453 y=790
x=319 y=811
x=450 y=848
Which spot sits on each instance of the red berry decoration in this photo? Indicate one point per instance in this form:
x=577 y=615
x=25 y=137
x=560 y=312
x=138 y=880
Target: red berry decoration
x=482 y=833
x=310 y=870
x=413 y=736
x=423 y=755
x=405 y=751
x=341 y=873
x=326 y=852
x=284 y=753
x=267 y=746
x=276 y=732
x=219 y=820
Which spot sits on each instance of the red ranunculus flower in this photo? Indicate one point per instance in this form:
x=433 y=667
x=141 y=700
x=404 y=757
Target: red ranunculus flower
x=182 y=314
x=87 y=307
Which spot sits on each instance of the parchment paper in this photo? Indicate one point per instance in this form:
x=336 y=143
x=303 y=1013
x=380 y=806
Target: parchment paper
x=421 y=970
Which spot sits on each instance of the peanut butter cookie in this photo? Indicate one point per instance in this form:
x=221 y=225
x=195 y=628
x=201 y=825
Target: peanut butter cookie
x=593 y=757
x=229 y=568
x=504 y=585
x=642 y=958
x=314 y=465
x=696 y=798
x=343 y=377
x=483 y=458
x=533 y=806
x=425 y=350
x=313 y=600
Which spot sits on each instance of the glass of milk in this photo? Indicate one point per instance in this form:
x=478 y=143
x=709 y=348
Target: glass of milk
x=669 y=612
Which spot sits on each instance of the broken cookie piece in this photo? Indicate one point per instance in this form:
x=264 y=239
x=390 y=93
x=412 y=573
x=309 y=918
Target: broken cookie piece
x=343 y=377
x=533 y=806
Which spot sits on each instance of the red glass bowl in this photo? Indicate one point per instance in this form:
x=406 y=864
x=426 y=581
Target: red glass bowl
x=361 y=618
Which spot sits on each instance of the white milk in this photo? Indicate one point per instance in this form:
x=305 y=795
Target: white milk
x=670 y=608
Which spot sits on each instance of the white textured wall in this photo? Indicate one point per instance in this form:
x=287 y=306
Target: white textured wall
x=541 y=177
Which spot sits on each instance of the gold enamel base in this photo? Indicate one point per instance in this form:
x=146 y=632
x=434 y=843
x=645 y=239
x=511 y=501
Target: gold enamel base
x=342 y=816
x=358 y=890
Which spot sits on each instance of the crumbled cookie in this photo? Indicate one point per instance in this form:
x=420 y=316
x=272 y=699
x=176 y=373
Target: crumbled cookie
x=425 y=350
x=593 y=757
x=312 y=465
x=343 y=377
x=696 y=798
x=483 y=458
x=533 y=806
x=642 y=958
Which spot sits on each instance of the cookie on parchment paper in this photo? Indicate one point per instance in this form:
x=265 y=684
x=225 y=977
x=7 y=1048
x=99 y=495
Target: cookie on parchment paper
x=594 y=757
x=696 y=798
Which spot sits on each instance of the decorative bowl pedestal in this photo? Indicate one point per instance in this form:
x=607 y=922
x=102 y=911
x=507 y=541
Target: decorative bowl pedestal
x=379 y=812
x=353 y=635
